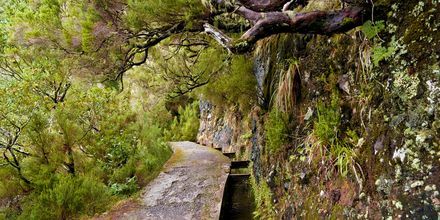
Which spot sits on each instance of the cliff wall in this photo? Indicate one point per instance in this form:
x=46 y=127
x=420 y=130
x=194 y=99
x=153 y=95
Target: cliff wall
x=345 y=125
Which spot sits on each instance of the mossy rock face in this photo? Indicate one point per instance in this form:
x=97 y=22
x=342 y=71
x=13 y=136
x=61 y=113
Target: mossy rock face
x=388 y=86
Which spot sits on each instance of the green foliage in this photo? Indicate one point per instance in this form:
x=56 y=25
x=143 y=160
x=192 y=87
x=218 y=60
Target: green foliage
x=379 y=52
x=234 y=85
x=153 y=151
x=153 y=13
x=263 y=200
x=371 y=29
x=10 y=184
x=67 y=133
x=344 y=156
x=186 y=125
x=185 y=69
x=75 y=146
x=92 y=130
x=383 y=53
x=87 y=25
x=329 y=118
x=246 y=136
x=127 y=188
x=276 y=130
x=58 y=21
x=67 y=197
x=326 y=129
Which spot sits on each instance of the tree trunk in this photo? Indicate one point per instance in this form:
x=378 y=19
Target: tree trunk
x=70 y=164
x=16 y=164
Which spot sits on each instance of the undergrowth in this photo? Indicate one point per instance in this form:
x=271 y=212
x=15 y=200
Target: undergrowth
x=326 y=129
x=379 y=51
x=263 y=200
x=276 y=130
x=65 y=197
x=186 y=125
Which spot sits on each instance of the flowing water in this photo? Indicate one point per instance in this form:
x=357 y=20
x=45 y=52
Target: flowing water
x=238 y=201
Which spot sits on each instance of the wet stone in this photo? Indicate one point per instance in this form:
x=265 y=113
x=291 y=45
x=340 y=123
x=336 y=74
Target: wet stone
x=190 y=186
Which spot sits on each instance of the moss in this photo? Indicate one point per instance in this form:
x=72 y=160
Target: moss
x=276 y=131
x=314 y=5
x=328 y=121
x=176 y=157
x=347 y=21
x=418 y=33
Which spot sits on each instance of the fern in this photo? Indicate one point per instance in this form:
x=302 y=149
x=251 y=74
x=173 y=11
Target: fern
x=383 y=53
x=371 y=29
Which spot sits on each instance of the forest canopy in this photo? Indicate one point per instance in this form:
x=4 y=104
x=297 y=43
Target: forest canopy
x=107 y=38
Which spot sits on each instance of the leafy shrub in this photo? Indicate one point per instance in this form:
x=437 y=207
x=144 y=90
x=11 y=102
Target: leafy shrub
x=143 y=159
x=276 y=130
x=186 y=125
x=66 y=198
x=127 y=188
x=9 y=183
x=153 y=153
x=120 y=149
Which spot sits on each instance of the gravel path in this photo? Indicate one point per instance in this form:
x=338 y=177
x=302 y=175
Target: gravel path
x=190 y=187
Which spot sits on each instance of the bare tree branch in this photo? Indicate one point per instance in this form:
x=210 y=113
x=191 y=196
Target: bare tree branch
x=219 y=36
x=270 y=23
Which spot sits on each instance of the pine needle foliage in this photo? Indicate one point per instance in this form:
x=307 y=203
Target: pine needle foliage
x=233 y=85
x=186 y=125
x=153 y=13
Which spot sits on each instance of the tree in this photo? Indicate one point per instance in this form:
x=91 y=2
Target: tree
x=266 y=18
x=108 y=38
x=15 y=114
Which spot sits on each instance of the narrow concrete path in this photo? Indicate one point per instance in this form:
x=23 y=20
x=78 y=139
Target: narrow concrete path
x=190 y=187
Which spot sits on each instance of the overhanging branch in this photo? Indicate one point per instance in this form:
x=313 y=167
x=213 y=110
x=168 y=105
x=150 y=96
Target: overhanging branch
x=264 y=5
x=270 y=23
x=219 y=36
